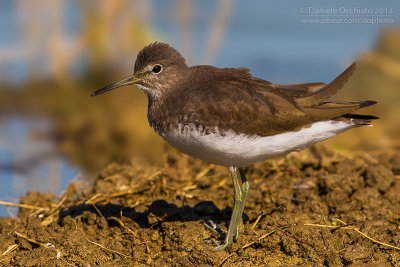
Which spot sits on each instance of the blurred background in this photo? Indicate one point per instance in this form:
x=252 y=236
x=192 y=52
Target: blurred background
x=54 y=53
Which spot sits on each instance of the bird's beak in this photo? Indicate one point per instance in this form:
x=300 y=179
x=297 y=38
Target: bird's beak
x=127 y=81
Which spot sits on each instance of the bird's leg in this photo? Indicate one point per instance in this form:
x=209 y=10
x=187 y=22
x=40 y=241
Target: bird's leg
x=236 y=212
x=245 y=191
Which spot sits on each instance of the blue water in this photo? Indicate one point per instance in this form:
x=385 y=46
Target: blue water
x=28 y=162
x=268 y=37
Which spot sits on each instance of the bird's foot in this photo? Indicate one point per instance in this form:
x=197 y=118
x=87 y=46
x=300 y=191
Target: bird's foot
x=212 y=229
x=223 y=246
x=217 y=232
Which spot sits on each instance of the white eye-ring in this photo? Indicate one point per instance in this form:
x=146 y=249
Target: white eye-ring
x=157 y=68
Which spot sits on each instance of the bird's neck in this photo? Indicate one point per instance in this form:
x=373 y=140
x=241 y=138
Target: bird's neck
x=158 y=113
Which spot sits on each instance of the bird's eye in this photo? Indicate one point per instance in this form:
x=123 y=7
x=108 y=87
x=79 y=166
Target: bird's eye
x=157 y=68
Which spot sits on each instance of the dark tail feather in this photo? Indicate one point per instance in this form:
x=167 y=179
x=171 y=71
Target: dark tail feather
x=323 y=94
x=367 y=103
x=360 y=117
x=335 y=109
x=366 y=118
x=359 y=120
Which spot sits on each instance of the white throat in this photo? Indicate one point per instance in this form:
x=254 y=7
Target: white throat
x=150 y=92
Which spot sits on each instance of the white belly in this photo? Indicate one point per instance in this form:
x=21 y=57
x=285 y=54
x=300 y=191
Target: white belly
x=240 y=150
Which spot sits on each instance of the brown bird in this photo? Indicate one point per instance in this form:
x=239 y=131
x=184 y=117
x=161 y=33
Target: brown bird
x=226 y=116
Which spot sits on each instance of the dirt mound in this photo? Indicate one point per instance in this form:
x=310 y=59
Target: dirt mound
x=311 y=208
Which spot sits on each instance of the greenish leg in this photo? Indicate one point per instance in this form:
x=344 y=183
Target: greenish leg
x=245 y=191
x=240 y=194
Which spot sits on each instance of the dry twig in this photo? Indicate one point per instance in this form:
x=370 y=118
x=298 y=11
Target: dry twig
x=123 y=226
x=204 y=172
x=103 y=247
x=328 y=226
x=135 y=235
x=49 y=219
x=346 y=226
x=45 y=245
x=257 y=220
x=23 y=206
x=258 y=239
x=10 y=249
x=109 y=249
x=101 y=197
x=370 y=238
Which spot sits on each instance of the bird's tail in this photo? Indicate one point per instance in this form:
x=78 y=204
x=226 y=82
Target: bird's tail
x=316 y=104
x=357 y=119
x=334 y=110
x=323 y=94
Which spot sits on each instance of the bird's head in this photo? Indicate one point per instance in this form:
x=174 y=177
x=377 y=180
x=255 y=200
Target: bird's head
x=158 y=68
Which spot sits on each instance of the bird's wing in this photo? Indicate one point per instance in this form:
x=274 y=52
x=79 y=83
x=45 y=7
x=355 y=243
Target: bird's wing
x=253 y=106
x=300 y=89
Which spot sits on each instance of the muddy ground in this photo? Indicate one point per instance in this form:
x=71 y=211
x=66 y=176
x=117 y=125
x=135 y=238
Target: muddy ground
x=137 y=214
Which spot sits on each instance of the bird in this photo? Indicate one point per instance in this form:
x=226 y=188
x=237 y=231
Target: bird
x=227 y=117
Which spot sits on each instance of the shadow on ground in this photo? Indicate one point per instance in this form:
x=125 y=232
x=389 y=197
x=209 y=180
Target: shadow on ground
x=159 y=211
